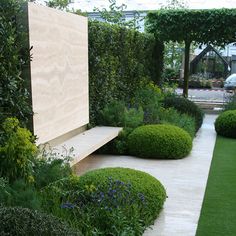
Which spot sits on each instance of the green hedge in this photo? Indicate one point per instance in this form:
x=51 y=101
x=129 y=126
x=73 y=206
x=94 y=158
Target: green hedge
x=225 y=124
x=119 y=60
x=159 y=141
x=14 y=94
x=185 y=106
x=117 y=201
x=23 y=221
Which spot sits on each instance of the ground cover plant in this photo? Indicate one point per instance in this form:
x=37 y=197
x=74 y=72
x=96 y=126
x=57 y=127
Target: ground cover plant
x=225 y=124
x=159 y=141
x=118 y=200
x=218 y=212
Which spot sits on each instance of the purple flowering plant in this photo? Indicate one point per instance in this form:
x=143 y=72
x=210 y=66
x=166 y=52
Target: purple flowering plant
x=99 y=211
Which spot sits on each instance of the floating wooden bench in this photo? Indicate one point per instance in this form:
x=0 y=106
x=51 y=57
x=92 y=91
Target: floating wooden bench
x=87 y=142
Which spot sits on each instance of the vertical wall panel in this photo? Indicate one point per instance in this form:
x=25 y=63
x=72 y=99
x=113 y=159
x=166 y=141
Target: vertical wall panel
x=59 y=71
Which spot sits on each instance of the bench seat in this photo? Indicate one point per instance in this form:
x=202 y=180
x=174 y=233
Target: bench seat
x=87 y=142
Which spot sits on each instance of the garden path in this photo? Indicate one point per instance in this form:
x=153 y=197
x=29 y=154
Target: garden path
x=185 y=181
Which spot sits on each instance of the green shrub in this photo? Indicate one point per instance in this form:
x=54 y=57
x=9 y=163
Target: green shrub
x=149 y=97
x=231 y=103
x=116 y=114
x=225 y=124
x=173 y=117
x=23 y=221
x=17 y=151
x=117 y=201
x=159 y=141
x=48 y=167
x=19 y=193
x=185 y=106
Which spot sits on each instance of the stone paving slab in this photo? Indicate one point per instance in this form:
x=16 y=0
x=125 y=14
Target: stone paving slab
x=185 y=181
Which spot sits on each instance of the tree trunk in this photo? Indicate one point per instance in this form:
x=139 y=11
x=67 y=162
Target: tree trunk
x=186 y=68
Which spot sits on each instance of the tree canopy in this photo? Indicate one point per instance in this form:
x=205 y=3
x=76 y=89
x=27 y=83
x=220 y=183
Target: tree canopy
x=214 y=26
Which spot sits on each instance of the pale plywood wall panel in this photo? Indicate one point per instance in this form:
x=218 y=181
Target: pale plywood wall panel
x=59 y=71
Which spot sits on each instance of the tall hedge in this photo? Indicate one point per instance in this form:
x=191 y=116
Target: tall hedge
x=14 y=95
x=119 y=60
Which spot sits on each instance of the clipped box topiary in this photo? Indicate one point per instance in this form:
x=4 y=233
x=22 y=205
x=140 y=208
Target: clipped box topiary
x=124 y=199
x=140 y=182
x=225 y=124
x=23 y=221
x=159 y=141
x=183 y=105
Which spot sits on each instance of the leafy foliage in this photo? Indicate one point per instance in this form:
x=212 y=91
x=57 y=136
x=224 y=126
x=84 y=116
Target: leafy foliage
x=149 y=97
x=115 y=15
x=120 y=59
x=159 y=141
x=225 y=124
x=60 y=4
x=183 y=105
x=49 y=167
x=118 y=200
x=231 y=103
x=215 y=26
x=14 y=93
x=17 y=151
x=23 y=221
x=116 y=114
x=19 y=193
x=173 y=117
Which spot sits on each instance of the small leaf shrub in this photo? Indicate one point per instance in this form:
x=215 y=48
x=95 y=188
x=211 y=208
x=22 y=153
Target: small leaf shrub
x=225 y=124
x=17 y=151
x=116 y=114
x=117 y=201
x=185 y=106
x=23 y=221
x=173 y=117
x=159 y=141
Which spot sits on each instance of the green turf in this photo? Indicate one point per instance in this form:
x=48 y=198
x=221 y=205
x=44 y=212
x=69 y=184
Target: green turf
x=218 y=214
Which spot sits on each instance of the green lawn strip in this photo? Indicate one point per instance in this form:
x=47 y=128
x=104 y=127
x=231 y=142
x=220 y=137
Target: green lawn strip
x=218 y=214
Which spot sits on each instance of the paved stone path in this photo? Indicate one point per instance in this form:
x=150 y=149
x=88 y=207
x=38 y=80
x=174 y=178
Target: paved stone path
x=185 y=181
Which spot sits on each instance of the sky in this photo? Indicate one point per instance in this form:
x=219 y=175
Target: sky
x=88 y=5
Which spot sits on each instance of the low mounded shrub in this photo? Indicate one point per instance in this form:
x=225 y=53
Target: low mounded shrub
x=159 y=141
x=225 y=124
x=117 y=201
x=183 y=105
x=23 y=221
